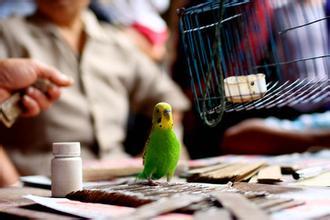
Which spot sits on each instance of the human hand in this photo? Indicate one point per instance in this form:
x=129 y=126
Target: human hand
x=18 y=74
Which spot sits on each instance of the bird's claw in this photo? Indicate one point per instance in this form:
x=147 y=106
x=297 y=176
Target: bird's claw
x=152 y=183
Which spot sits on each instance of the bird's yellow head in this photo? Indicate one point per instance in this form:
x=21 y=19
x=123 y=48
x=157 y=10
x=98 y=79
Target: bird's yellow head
x=162 y=116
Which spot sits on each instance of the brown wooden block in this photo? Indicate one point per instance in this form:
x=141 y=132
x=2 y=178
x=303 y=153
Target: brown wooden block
x=270 y=175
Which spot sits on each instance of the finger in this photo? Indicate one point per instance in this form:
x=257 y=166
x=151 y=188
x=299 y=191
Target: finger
x=31 y=107
x=17 y=73
x=53 y=75
x=4 y=94
x=53 y=93
x=39 y=97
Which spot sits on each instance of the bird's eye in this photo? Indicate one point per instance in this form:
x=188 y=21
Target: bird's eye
x=159 y=120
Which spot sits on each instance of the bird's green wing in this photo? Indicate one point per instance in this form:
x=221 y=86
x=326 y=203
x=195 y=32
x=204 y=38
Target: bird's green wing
x=163 y=151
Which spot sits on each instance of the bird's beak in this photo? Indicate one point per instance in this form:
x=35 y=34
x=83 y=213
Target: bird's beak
x=167 y=114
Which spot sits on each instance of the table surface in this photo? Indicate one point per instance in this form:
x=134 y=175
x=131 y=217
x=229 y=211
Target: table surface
x=12 y=204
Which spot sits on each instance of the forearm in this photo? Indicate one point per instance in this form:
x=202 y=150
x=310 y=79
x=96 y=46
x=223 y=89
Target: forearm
x=288 y=142
x=254 y=137
x=321 y=139
x=282 y=142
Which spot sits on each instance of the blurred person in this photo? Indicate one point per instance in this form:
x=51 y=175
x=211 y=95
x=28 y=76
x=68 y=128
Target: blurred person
x=17 y=74
x=111 y=77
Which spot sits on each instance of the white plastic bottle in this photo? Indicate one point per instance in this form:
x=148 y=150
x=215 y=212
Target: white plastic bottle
x=66 y=168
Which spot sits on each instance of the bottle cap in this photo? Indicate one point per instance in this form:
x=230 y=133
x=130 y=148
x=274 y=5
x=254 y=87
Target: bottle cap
x=66 y=149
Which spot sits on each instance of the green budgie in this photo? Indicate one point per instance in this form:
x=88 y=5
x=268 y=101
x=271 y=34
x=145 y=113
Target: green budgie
x=162 y=149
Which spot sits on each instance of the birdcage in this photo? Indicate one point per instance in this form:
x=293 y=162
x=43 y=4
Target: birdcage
x=254 y=54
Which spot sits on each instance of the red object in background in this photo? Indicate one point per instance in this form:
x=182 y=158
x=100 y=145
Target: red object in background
x=258 y=27
x=154 y=37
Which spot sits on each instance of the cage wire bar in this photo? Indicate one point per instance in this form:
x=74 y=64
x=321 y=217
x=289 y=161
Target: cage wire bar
x=254 y=54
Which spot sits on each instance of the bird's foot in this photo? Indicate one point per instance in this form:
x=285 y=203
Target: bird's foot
x=152 y=183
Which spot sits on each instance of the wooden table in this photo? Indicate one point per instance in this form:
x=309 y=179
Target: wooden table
x=13 y=205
